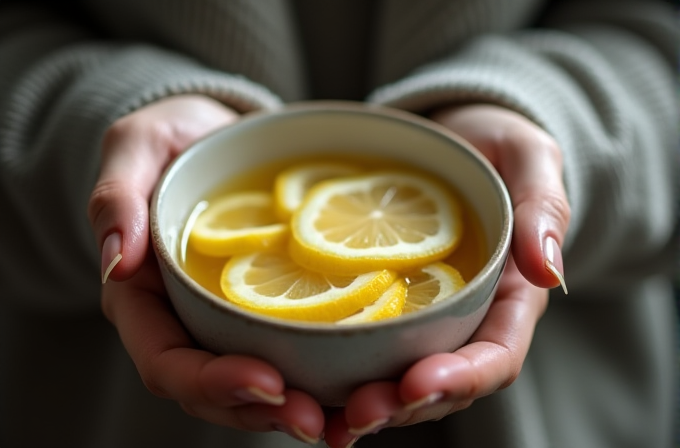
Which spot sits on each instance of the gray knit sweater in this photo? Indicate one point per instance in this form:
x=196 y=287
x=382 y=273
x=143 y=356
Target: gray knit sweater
x=598 y=75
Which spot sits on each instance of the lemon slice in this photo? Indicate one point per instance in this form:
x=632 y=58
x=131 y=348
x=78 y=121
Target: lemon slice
x=431 y=284
x=238 y=223
x=292 y=184
x=389 y=304
x=387 y=220
x=272 y=284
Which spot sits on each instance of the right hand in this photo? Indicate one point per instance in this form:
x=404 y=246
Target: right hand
x=229 y=390
x=530 y=163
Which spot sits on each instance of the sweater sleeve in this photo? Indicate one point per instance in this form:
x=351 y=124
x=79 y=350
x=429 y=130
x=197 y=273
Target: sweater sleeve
x=61 y=86
x=598 y=76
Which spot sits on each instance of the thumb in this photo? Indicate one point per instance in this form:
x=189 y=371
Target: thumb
x=135 y=151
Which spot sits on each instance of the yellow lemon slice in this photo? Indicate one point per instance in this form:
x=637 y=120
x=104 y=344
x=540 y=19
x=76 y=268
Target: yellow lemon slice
x=293 y=183
x=387 y=220
x=238 y=223
x=389 y=304
x=272 y=284
x=431 y=284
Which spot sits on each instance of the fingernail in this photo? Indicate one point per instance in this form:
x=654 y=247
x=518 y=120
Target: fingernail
x=111 y=254
x=553 y=261
x=257 y=395
x=297 y=433
x=371 y=428
x=425 y=401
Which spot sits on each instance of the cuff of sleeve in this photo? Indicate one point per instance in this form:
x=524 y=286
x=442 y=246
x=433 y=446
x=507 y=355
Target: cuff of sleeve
x=490 y=71
x=495 y=71
x=125 y=80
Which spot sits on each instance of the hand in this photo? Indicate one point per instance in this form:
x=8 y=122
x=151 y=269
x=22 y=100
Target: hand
x=235 y=391
x=135 y=151
x=448 y=382
x=231 y=390
x=530 y=163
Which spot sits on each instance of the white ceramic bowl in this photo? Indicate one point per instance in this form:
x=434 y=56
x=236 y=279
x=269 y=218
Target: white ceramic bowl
x=329 y=361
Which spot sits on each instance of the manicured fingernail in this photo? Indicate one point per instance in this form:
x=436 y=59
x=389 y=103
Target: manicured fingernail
x=553 y=261
x=371 y=428
x=257 y=395
x=297 y=433
x=425 y=401
x=301 y=435
x=111 y=254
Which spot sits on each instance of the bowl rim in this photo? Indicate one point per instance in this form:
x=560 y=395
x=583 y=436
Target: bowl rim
x=497 y=257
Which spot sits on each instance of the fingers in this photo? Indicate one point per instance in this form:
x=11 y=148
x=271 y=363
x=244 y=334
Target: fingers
x=530 y=163
x=533 y=176
x=448 y=382
x=336 y=434
x=493 y=357
x=135 y=151
x=299 y=416
x=231 y=390
x=166 y=356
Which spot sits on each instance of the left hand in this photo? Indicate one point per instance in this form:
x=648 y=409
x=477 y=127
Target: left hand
x=530 y=163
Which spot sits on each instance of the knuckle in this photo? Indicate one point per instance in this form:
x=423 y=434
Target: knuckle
x=558 y=208
x=145 y=128
x=189 y=409
x=525 y=133
x=102 y=195
x=549 y=202
x=510 y=353
x=512 y=377
x=152 y=385
x=117 y=133
x=161 y=134
x=549 y=144
x=531 y=138
x=149 y=373
x=550 y=199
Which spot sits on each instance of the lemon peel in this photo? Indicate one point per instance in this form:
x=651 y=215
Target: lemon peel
x=292 y=184
x=431 y=284
x=384 y=220
x=238 y=223
x=390 y=304
x=274 y=285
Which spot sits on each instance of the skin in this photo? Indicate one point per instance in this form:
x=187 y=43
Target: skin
x=246 y=393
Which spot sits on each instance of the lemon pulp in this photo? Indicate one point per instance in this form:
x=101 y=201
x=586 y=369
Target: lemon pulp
x=392 y=220
x=272 y=284
x=294 y=276
x=238 y=223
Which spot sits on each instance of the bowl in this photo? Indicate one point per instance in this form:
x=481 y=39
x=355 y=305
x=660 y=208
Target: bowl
x=329 y=361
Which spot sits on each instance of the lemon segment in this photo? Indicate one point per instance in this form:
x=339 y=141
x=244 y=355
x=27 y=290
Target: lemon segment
x=293 y=183
x=384 y=220
x=274 y=285
x=238 y=223
x=390 y=304
x=431 y=284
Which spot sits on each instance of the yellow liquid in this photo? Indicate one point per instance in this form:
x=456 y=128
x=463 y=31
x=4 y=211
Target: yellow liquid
x=469 y=257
